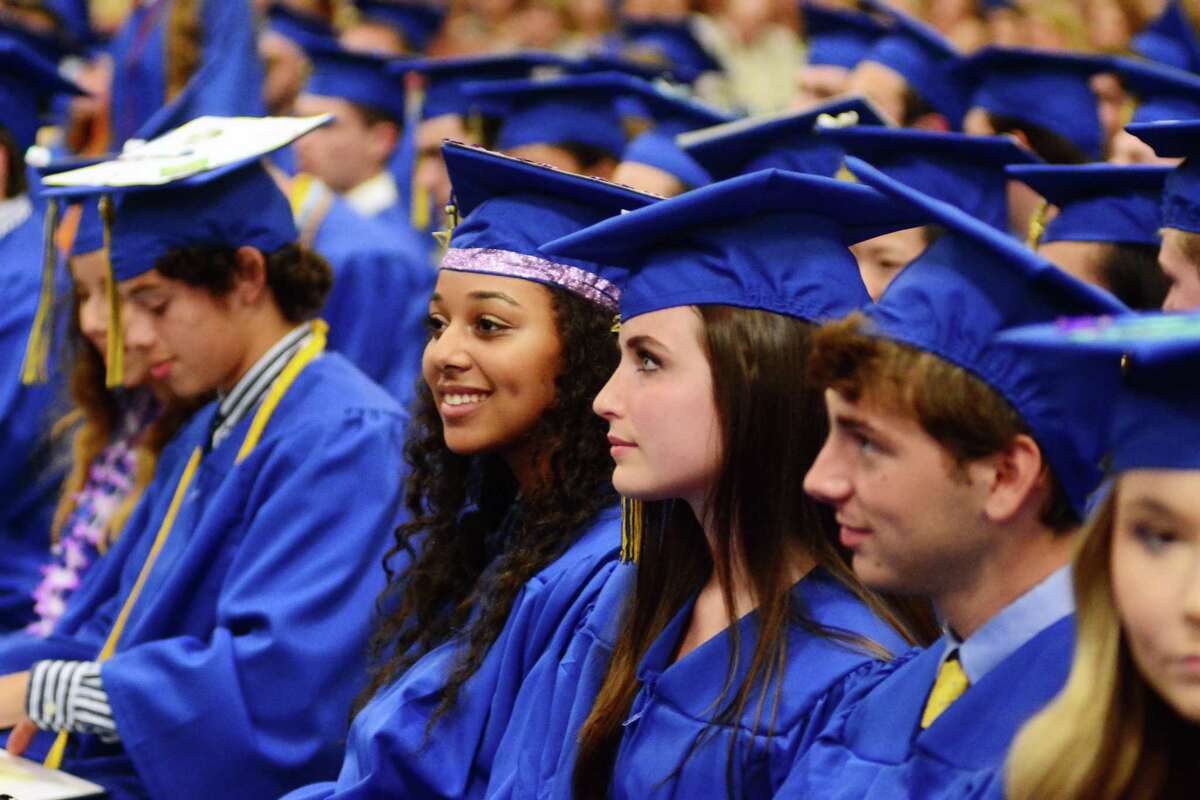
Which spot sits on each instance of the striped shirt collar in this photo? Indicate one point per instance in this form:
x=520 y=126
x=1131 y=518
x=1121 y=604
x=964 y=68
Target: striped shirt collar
x=254 y=385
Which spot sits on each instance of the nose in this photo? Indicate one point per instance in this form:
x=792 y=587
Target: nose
x=606 y=404
x=139 y=330
x=93 y=317
x=827 y=480
x=448 y=351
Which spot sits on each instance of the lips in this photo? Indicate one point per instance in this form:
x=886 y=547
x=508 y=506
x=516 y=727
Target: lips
x=161 y=370
x=456 y=402
x=852 y=536
x=616 y=441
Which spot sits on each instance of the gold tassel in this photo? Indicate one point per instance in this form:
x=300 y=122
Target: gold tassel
x=115 y=373
x=475 y=128
x=420 y=208
x=616 y=326
x=443 y=237
x=632 y=522
x=35 y=368
x=1037 y=226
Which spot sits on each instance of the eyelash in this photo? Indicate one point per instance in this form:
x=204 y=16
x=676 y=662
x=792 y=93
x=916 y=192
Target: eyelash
x=642 y=358
x=1152 y=538
x=484 y=325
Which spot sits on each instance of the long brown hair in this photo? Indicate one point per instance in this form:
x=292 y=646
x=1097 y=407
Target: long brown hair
x=1108 y=735
x=457 y=504
x=91 y=423
x=773 y=424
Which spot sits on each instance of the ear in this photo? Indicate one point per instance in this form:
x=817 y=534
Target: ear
x=1017 y=477
x=382 y=138
x=250 y=284
x=931 y=122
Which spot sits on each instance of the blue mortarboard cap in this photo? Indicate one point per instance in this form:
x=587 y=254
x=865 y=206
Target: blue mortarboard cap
x=1099 y=202
x=669 y=112
x=1181 y=193
x=771 y=240
x=417 y=22
x=926 y=61
x=445 y=78
x=662 y=152
x=672 y=43
x=965 y=171
x=613 y=61
x=89 y=236
x=1162 y=92
x=1169 y=39
x=511 y=207
x=577 y=109
x=1150 y=366
x=74 y=20
x=838 y=37
x=357 y=77
x=786 y=140
x=304 y=29
x=970 y=284
x=1049 y=89
x=27 y=83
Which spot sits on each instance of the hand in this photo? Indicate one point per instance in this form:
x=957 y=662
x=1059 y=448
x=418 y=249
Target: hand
x=13 y=689
x=21 y=737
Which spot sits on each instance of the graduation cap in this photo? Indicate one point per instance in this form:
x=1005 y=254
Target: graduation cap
x=965 y=171
x=669 y=112
x=838 y=37
x=577 y=109
x=202 y=185
x=510 y=207
x=1169 y=39
x=970 y=284
x=614 y=61
x=417 y=22
x=1049 y=89
x=1152 y=365
x=445 y=78
x=785 y=140
x=1163 y=92
x=658 y=150
x=771 y=240
x=305 y=29
x=671 y=43
x=1098 y=202
x=1181 y=193
x=926 y=61
x=27 y=83
x=357 y=77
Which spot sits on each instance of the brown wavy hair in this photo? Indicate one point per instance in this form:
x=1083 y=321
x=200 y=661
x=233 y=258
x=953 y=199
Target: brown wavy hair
x=91 y=422
x=462 y=583
x=773 y=424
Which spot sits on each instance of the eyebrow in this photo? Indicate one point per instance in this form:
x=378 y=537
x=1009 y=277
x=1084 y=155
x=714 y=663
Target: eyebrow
x=1153 y=506
x=140 y=291
x=642 y=340
x=856 y=424
x=493 y=296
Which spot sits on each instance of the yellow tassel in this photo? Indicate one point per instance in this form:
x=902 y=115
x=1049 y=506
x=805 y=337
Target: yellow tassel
x=475 y=128
x=443 y=237
x=616 y=326
x=1037 y=226
x=632 y=523
x=420 y=216
x=37 y=350
x=115 y=373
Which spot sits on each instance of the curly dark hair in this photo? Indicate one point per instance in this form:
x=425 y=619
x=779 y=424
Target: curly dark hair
x=299 y=278
x=457 y=503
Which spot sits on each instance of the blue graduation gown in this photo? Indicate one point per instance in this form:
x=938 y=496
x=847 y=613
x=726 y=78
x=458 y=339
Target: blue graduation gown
x=874 y=748
x=387 y=756
x=29 y=481
x=380 y=299
x=227 y=81
x=236 y=669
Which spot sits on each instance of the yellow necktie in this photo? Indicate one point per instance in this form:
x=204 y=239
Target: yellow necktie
x=950 y=684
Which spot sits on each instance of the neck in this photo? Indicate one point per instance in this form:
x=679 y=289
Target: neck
x=260 y=336
x=1021 y=561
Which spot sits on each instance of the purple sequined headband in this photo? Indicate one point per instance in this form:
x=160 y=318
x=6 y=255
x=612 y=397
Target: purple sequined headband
x=494 y=261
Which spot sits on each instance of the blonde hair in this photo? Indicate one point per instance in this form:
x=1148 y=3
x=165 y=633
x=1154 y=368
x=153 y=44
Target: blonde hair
x=1103 y=737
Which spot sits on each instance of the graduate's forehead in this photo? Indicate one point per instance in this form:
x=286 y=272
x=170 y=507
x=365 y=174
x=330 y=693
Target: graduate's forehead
x=455 y=287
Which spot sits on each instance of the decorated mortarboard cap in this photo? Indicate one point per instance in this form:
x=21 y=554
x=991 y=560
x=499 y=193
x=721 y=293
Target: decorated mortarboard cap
x=357 y=77
x=577 y=109
x=672 y=43
x=1169 y=39
x=838 y=37
x=970 y=284
x=771 y=240
x=201 y=185
x=1162 y=92
x=445 y=78
x=27 y=84
x=1099 y=202
x=1152 y=365
x=418 y=22
x=1049 y=89
x=1181 y=193
x=785 y=140
x=510 y=207
x=666 y=111
x=926 y=61
x=965 y=171
x=662 y=152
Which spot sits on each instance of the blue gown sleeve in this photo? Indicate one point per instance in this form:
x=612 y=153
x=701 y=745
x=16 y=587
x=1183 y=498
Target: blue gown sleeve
x=259 y=704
